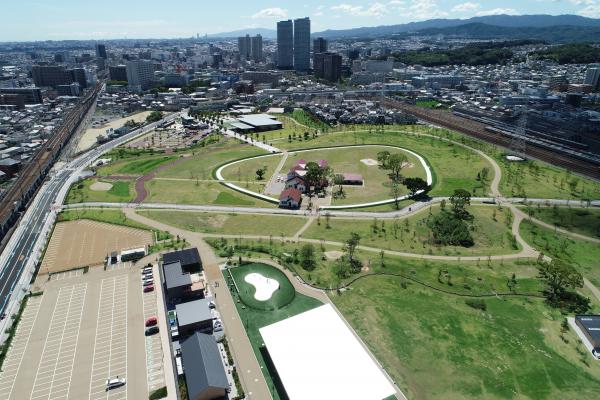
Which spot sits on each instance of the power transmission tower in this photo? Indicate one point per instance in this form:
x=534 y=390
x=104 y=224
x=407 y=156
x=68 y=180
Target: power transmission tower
x=518 y=143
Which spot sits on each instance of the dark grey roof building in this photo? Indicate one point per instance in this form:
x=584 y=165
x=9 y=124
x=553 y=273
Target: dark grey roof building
x=590 y=326
x=194 y=315
x=189 y=258
x=204 y=371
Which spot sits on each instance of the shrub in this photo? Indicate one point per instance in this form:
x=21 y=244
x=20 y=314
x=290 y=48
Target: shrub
x=476 y=304
x=158 y=394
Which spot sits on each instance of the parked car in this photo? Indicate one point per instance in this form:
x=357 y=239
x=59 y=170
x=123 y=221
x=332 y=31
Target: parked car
x=148 y=288
x=148 y=282
x=151 y=321
x=112 y=383
x=151 y=330
x=212 y=305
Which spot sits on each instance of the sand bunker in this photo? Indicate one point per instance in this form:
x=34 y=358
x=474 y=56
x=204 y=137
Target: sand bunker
x=369 y=161
x=333 y=255
x=265 y=287
x=101 y=186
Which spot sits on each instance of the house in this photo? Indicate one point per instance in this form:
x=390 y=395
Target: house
x=296 y=182
x=353 y=179
x=290 y=198
x=590 y=326
x=194 y=316
x=204 y=371
x=189 y=259
x=177 y=283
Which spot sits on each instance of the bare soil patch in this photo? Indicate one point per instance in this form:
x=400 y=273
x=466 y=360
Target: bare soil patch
x=86 y=243
x=333 y=255
x=101 y=186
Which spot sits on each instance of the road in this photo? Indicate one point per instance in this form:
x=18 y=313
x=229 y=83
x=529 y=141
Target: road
x=22 y=250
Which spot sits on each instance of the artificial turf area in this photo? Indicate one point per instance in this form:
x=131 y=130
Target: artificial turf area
x=283 y=296
x=254 y=319
x=229 y=224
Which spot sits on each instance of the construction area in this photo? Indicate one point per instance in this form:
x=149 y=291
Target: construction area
x=81 y=243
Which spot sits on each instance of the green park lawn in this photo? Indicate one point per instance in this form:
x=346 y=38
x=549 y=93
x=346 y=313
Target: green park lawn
x=492 y=237
x=585 y=221
x=205 y=160
x=229 y=224
x=121 y=192
x=454 y=167
x=254 y=319
x=512 y=350
x=377 y=184
x=245 y=171
x=583 y=254
x=535 y=179
x=201 y=193
x=134 y=166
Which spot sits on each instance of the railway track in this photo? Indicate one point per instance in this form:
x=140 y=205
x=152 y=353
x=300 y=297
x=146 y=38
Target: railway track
x=34 y=173
x=477 y=130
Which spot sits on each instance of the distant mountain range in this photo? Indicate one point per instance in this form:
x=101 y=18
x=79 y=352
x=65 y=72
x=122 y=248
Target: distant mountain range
x=546 y=27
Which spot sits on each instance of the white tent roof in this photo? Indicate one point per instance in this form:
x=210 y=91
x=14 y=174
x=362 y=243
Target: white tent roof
x=317 y=356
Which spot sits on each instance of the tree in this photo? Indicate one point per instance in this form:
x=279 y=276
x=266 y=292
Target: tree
x=459 y=200
x=315 y=175
x=396 y=192
x=395 y=164
x=382 y=158
x=307 y=257
x=446 y=229
x=415 y=185
x=154 y=116
x=350 y=248
x=559 y=276
x=260 y=173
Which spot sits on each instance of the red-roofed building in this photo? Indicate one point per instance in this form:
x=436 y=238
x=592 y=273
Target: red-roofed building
x=353 y=179
x=290 y=198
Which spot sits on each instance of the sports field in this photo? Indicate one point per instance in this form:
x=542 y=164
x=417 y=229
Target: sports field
x=282 y=295
x=87 y=243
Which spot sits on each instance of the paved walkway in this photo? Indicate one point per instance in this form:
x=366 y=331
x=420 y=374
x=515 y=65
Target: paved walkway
x=251 y=141
x=249 y=370
x=595 y=291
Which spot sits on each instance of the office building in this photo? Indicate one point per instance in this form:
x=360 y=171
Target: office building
x=78 y=75
x=592 y=77
x=302 y=44
x=140 y=74
x=30 y=95
x=244 y=46
x=285 y=44
x=256 y=48
x=118 y=73
x=328 y=66
x=69 y=90
x=101 y=51
x=51 y=75
x=319 y=46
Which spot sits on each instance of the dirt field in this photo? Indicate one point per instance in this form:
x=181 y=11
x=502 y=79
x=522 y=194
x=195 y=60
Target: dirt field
x=80 y=243
x=89 y=137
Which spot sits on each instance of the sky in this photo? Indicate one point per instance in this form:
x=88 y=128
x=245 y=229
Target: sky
x=25 y=20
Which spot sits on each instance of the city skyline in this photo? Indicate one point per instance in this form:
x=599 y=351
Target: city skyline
x=68 y=19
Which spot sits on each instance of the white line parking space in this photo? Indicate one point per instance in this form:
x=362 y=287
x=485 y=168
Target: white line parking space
x=110 y=347
x=154 y=350
x=53 y=377
x=67 y=274
x=14 y=359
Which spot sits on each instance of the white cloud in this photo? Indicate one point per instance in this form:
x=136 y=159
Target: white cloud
x=271 y=13
x=497 y=11
x=422 y=10
x=466 y=7
x=374 y=10
x=592 y=11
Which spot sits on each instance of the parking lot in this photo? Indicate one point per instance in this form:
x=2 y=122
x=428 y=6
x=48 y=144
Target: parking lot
x=154 y=351
x=84 y=329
